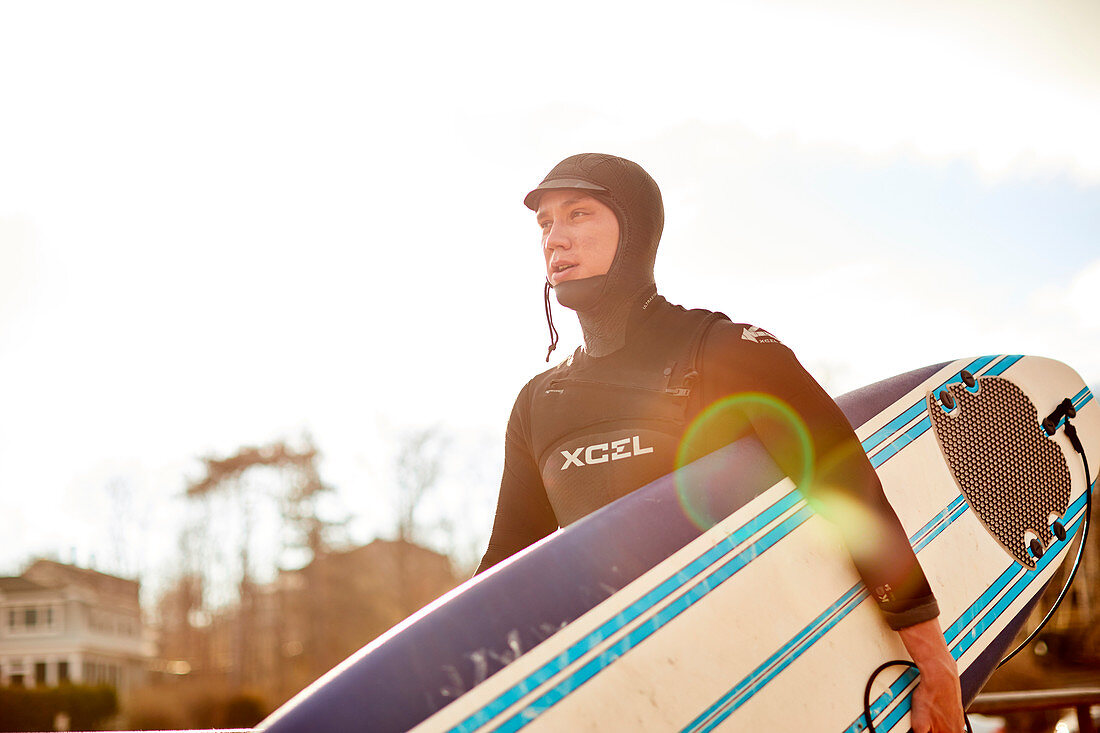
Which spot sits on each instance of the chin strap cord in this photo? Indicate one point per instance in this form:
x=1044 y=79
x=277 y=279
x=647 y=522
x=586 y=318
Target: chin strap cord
x=550 y=321
x=1071 y=433
x=867 y=693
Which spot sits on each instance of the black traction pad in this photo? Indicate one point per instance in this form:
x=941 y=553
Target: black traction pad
x=1011 y=473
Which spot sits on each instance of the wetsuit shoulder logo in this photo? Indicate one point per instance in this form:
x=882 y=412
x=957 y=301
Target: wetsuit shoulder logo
x=758 y=335
x=615 y=450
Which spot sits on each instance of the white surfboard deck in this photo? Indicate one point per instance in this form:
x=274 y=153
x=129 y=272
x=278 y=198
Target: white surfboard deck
x=762 y=622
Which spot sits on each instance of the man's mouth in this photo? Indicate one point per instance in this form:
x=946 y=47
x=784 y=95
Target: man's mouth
x=558 y=271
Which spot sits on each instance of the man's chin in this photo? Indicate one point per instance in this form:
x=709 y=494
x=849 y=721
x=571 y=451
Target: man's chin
x=580 y=294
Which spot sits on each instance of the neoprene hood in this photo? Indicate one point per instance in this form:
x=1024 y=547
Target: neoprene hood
x=636 y=200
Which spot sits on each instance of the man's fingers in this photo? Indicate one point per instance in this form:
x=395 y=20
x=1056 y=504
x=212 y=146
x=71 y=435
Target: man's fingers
x=920 y=721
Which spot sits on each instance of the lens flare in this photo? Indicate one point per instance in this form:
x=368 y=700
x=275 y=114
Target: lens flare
x=834 y=499
x=778 y=426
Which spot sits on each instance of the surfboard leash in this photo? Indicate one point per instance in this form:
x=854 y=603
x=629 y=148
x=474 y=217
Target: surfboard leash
x=871 y=680
x=1064 y=410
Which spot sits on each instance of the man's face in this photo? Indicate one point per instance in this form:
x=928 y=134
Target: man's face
x=579 y=235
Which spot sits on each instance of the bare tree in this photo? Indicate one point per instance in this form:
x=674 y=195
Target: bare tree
x=418 y=466
x=233 y=492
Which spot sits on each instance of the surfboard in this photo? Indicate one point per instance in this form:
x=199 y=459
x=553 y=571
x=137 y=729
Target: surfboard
x=716 y=599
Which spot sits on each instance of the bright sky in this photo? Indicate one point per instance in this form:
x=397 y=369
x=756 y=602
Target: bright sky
x=227 y=223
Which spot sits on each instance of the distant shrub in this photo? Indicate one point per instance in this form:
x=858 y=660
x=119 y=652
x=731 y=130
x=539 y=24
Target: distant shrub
x=151 y=708
x=192 y=704
x=242 y=710
x=23 y=709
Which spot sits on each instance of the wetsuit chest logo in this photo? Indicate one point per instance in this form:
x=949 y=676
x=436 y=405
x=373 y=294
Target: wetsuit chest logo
x=603 y=452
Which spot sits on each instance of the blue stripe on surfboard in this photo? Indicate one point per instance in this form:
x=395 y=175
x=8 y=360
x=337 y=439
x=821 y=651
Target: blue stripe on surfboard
x=1003 y=365
x=674 y=609
x=1009 y=576
x=902 y=686
x=919 y=428
x=883 y=701
x=636 y=609
x=776 y=663
x=907 y=416
x=799 y=644
x=1076 y=510
x=967 y=640
x=902 y=440
x=733 y=699
x=901 y=420
x=903 y=707
x=953 y=512
x=969 y=615
x=924 y=534
x=976 y=608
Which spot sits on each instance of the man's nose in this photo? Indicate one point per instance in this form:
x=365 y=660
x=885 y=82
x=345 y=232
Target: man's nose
x=557 y=237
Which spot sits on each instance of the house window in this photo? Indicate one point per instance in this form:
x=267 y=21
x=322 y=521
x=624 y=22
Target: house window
x=30 y=617
x=16 y=680
x=39 y=673
x=62 y=672
x=49 y=617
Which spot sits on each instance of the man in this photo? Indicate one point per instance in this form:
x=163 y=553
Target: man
x=673 y=377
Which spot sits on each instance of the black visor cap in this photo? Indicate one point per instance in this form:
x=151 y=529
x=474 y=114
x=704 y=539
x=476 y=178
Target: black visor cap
x=531 y=200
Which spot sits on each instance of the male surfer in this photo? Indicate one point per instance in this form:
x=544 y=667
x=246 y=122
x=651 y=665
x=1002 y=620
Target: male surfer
x=655 y=386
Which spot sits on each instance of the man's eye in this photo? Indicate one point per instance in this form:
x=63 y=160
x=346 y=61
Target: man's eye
x=579 y=213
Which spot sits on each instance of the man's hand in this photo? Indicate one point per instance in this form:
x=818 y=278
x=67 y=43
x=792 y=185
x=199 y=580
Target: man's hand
x=937 y=701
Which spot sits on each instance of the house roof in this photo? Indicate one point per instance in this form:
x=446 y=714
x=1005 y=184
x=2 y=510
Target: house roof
x=14 y=585
x=51 y=573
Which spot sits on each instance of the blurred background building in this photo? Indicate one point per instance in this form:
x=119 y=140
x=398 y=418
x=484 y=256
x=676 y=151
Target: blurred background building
x=60 y=623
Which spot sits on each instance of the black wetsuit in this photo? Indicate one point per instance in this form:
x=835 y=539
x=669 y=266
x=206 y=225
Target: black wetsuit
x=594 y=429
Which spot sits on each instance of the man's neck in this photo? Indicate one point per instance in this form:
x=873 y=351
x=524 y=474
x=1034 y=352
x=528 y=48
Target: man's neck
x=605 y=327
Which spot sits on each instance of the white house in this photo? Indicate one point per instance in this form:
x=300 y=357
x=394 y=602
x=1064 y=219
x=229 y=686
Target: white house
x=62 y=623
